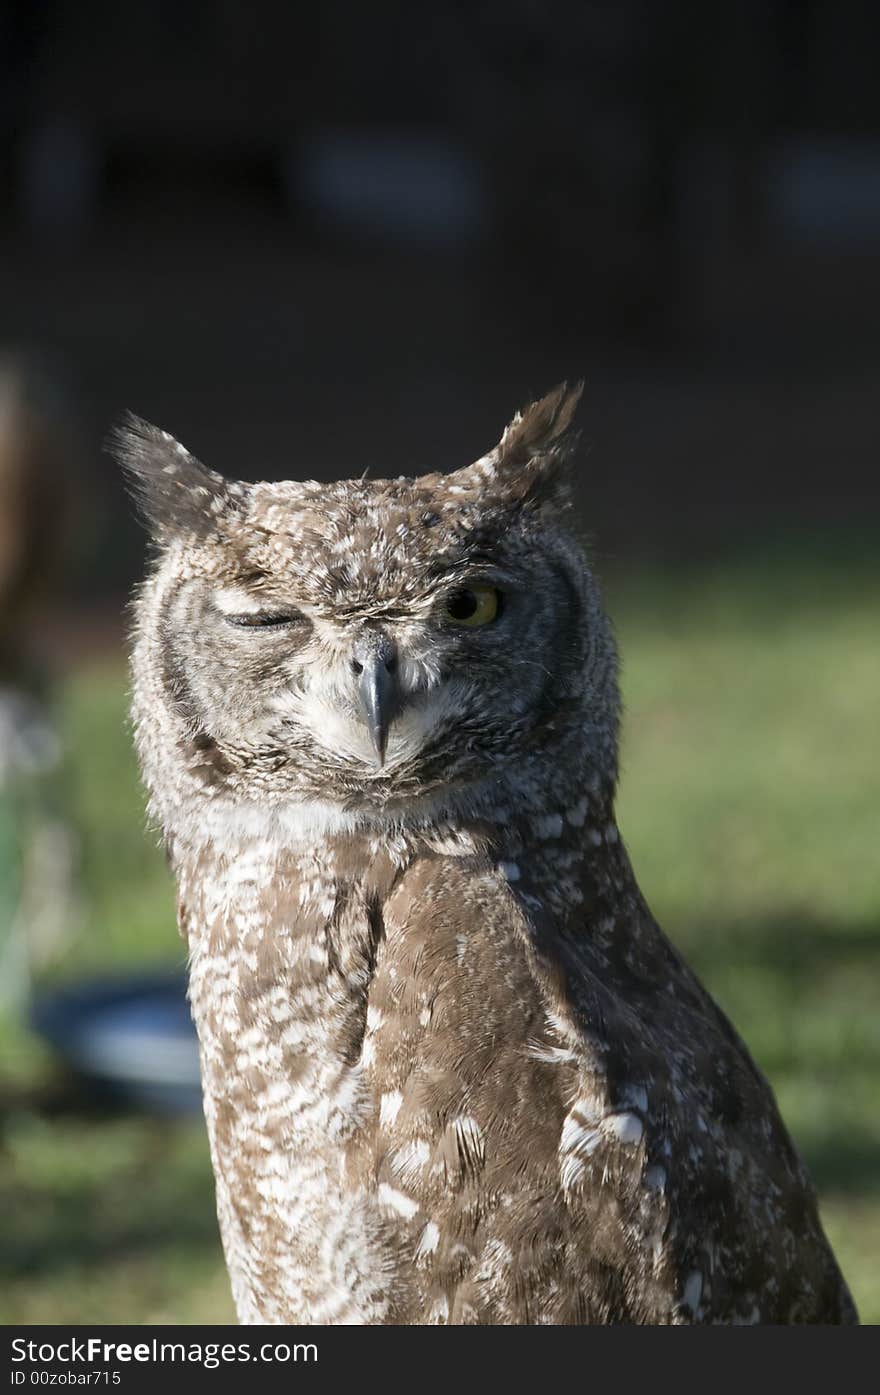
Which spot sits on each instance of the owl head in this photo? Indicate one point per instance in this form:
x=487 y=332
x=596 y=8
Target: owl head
x=376 y=644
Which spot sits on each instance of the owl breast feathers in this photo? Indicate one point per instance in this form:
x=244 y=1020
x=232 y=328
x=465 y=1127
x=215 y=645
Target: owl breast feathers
x=453 y=1071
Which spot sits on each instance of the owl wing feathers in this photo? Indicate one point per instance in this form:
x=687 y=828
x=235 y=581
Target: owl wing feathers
x=686 y=1135
x=574 y=1145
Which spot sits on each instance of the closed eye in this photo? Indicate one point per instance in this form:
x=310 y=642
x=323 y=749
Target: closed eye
x=266 y=620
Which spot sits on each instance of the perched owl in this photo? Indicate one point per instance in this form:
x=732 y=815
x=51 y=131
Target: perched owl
x=453 y=1071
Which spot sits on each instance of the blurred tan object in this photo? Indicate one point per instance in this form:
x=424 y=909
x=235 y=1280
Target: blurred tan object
x=32 y=492
x=37 y=882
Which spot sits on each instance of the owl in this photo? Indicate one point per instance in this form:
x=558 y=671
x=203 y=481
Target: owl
x=453 y=1071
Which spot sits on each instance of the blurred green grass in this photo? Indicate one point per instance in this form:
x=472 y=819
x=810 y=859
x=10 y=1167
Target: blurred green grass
x=750 y=800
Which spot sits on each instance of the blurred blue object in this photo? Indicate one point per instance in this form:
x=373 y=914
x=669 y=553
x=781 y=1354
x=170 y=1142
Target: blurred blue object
x=827 y=192
x=61 y=178
x=394 y=187
x=131 y=1040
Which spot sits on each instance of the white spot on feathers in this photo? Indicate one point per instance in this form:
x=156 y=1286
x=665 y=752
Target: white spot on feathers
x=549 y=826
x=636 y=1097
x=693 y=1290
x=397 y=1201
x=428 y=1241
x=389 y=1108
x=627 y=1128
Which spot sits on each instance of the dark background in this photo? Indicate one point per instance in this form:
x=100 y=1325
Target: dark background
x=309 y=241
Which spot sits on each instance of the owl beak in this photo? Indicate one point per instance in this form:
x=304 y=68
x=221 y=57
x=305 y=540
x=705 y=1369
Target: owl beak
x=375 y=665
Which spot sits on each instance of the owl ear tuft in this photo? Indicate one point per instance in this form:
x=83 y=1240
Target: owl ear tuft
x=174 y=492
x=527 y=467
x=533 y=451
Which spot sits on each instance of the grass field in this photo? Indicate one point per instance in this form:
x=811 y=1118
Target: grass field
x=750 y=800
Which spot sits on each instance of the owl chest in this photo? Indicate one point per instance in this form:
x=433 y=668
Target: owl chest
x=277 y=991
x=367 y=1082
x=310 y=1025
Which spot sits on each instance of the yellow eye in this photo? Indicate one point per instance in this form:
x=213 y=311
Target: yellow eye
x=474 y=606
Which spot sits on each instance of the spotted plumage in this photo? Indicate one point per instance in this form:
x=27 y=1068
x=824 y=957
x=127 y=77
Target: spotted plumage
x=453 y=1071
